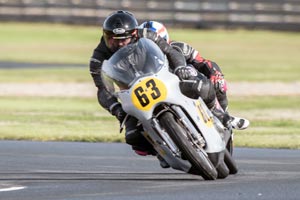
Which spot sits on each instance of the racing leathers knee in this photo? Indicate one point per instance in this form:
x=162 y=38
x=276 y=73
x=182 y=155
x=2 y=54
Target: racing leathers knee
x=209 y=68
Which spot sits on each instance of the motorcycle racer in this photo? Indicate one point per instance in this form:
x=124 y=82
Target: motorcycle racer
x=120 y=29
x=209 y=68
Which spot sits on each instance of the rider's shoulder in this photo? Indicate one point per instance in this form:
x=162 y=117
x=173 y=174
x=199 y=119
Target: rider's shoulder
x=101 y=52
x=178 y=43
x=182 y=47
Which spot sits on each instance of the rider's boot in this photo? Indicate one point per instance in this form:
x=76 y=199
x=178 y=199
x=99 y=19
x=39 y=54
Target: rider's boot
x=135 y=138
x=139 y=144
x=239 y=123
x=143 y=152
x=229 y=120
x=236 y=122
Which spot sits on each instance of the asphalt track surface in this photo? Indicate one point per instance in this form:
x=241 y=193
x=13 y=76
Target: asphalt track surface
x=90 y=171
x=17 y=65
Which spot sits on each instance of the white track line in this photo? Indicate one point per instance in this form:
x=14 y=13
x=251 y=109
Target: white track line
x=12 y=189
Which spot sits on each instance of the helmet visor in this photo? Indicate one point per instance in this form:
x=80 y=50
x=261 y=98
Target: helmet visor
x=115 y=41
x=119 y=33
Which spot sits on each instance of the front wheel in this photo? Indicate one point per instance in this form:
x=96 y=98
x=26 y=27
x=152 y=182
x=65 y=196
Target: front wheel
x=198 y=158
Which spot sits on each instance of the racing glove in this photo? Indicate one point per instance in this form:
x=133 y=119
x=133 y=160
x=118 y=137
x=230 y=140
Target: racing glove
x=119 y=113
x=185 y=72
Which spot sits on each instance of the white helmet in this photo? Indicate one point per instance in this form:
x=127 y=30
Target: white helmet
x=157 y=27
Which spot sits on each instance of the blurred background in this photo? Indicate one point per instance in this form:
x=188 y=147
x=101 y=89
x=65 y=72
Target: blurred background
x=47 y=93
x=267 y=14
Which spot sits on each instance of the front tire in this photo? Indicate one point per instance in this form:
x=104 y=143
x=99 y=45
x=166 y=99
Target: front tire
x=199 y=160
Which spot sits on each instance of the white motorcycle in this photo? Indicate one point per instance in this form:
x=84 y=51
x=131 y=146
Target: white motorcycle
x=182 y=130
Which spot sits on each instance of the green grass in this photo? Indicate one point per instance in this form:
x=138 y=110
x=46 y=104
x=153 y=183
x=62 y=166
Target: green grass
x=248 y=55
x=243 y=55
x=52 y=43
x=55 y=119
x=39 y=75
x=275 y=121
x=82 y=119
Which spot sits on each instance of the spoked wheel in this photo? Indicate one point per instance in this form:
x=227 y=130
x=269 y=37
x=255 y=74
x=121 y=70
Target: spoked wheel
x=229 y=161
x=198 y=158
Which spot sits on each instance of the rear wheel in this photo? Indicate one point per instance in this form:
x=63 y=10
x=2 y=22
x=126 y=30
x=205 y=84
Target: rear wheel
x=229 y=161
x=198 y=158
x=223 y=170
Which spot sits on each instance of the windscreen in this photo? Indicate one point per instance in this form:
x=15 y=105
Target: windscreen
x=141 y=58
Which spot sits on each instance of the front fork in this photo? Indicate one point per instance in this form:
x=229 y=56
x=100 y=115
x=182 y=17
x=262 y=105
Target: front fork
x=192 y=132
x=167 y=141
x=197 y=139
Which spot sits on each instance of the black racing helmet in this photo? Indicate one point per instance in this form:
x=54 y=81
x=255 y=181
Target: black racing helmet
x=119 y=25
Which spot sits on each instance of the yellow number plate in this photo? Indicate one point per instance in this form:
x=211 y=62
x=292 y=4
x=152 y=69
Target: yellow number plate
x=147 y=93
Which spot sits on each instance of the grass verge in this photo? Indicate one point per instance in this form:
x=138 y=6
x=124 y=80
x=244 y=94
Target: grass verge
x=81 y=119
x=275 y=121
x=56 y=119
x=44 y=75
